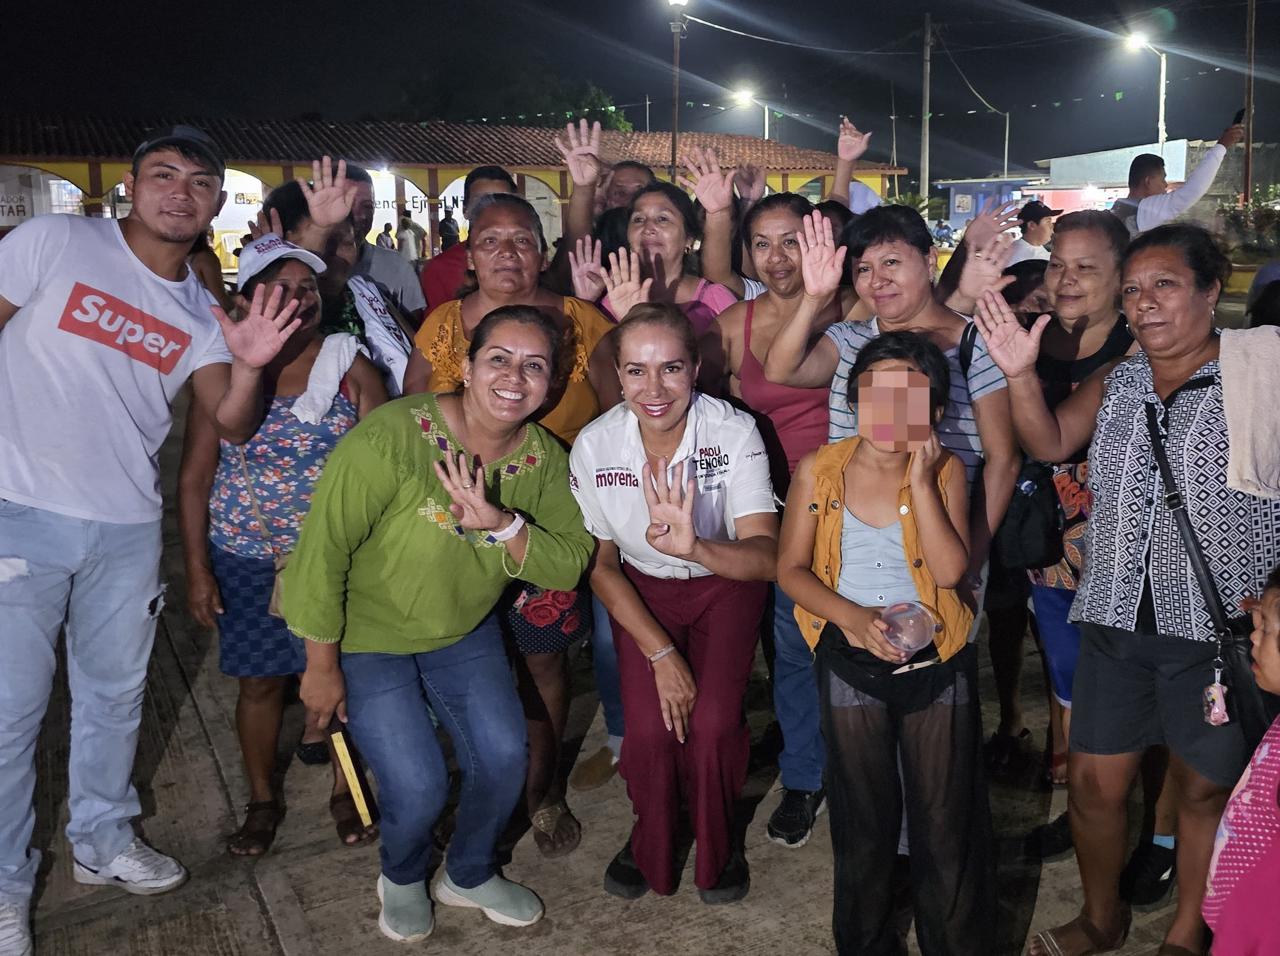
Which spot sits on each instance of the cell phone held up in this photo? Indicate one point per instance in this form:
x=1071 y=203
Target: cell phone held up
x=1239 y=117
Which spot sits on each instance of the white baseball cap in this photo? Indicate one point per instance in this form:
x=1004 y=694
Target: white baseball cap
x=264 y=250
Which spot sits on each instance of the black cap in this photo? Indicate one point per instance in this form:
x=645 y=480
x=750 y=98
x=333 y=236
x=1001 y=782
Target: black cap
x=1035 y=210
x=188 y=137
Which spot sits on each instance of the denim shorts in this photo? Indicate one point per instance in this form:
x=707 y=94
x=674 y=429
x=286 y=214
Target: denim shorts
x=1134 y=690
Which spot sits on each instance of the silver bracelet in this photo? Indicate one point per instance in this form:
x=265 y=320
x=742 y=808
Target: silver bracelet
x=661 y=653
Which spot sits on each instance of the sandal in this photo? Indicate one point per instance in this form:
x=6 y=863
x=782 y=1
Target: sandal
x=1055 y=774
x=1055 y=942
x=314 y=754
x=342 y=806
x=555 y=821
x=1006 y=752
x=256 y=834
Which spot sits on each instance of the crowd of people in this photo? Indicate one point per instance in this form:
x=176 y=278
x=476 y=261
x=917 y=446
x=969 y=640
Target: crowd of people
x=709 y=413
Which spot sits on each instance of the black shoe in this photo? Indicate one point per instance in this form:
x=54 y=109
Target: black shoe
x=314 y=754
x=623 y=878
x=1148 y=878
x=791 y=824
x=734 y=882
x=1050 y=841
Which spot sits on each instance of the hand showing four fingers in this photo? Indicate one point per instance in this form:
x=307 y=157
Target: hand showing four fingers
x=470 y=505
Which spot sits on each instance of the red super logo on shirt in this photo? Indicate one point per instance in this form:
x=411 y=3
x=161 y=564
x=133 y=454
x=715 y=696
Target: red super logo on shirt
x=102 y=318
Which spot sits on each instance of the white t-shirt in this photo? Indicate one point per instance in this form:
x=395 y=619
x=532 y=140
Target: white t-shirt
x=89 y=367
x=1023 y=250
x=732 y=480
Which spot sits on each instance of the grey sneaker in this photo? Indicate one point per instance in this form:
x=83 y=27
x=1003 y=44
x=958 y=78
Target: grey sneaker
x=406 y=913
x=499 y=899
x=139 y=870
x=15 y=930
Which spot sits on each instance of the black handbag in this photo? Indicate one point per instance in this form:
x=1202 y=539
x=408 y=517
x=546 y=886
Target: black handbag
x=1030 y=535
x=1247 y=703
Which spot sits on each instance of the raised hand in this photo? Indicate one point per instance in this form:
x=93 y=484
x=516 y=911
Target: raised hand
x=1012 y=347
x=984 y=267
x=990 y=222
x=750 y=180
x=1232 y=135
x=711 y=186
x=587 y=273
x=258 y=338
x=821 y=260
x=670 y=510
x=262 y=224
x=330 y=194
x=851 y=142
x=627 y=287
x=470 y=506
x=581 y=152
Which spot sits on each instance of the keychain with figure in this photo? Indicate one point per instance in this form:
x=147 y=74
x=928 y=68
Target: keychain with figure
x=1215 y=699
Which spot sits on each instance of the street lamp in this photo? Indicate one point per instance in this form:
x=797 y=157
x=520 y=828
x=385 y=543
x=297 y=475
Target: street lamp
x=746 y=97
x=678 y=23
x=1139 y=41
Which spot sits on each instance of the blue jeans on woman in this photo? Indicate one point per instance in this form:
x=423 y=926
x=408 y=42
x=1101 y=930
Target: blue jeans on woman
x=470 y=688
x=604 y=661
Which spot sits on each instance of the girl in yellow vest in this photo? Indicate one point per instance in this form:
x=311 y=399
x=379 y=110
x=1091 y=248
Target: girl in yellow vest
x=874 y=542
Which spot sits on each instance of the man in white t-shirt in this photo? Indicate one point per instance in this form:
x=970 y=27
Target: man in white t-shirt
x=1151 y=203
x=1036 y=220
x=101 y=323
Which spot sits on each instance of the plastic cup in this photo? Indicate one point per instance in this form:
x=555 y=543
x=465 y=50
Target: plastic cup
x=911 y=626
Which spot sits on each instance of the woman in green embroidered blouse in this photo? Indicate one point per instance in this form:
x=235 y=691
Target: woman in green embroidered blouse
x=403 y=556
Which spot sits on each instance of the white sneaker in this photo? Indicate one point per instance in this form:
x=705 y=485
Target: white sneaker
x=15 y=930
x=139 y=869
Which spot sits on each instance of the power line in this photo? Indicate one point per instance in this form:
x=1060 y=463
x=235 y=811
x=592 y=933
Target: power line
x=883 y=51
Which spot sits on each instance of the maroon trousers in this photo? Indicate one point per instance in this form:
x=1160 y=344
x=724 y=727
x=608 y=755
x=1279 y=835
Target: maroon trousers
x=714 y=624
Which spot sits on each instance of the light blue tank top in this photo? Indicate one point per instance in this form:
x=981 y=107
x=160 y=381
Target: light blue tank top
x=873 y=564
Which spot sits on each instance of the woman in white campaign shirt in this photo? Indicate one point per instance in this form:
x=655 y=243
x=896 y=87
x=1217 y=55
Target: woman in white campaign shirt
x=675 y=487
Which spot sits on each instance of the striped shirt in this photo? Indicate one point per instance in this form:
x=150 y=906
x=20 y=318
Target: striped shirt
x=957 y=432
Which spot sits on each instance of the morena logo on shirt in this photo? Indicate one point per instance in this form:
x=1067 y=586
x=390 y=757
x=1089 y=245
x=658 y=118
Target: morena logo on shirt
x=616 y=478
x=102 y=318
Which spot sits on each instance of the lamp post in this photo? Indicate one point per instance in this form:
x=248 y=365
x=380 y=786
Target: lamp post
x=1138 y=41
x=678 y=22
x=746 y=97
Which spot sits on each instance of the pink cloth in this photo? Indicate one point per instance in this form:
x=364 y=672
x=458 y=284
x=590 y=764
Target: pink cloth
x=1244 y=874
x=797 y=416
x=709 y=300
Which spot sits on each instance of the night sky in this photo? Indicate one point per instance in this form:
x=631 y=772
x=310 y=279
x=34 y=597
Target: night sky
x=351 y=59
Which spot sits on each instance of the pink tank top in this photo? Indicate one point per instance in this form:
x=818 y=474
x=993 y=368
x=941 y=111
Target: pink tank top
x=1239 y=901
x=798 y=416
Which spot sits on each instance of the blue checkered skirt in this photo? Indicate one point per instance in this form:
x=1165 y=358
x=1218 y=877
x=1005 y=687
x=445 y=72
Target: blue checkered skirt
x=252 y=643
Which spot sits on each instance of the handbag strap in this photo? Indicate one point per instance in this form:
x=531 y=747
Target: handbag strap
x=1174 y=501
x=253 y=502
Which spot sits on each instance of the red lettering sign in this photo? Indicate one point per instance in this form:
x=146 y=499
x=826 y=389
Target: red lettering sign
x=102 y=318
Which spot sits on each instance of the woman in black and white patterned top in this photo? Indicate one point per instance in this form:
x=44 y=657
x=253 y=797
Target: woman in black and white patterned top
x=1147 y=642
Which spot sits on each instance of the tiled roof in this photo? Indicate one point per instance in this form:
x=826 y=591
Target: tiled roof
x=380 y=143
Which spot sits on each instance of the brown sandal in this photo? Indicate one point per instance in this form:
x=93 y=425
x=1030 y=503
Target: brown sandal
x=258 y=832
x=342 y=806
x=1051 y=943
x=546 y=824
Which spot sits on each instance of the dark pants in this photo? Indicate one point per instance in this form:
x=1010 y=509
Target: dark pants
x=714 y=624
x=470 y=688
x=938 y=746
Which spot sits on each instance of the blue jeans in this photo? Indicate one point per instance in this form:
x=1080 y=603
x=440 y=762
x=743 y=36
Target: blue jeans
x=103 y=581
x=469 y=686
x=604 y=661
x=795 y=700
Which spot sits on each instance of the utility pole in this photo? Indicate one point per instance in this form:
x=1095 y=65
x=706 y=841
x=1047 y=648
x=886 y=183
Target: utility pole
x=1006 y=145
x=924 y=112
x=893 y=133
x=677 y=31
x=1250 y=29
x=646 y=112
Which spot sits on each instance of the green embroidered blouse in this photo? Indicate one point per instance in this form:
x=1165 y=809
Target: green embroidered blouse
x=382 y=566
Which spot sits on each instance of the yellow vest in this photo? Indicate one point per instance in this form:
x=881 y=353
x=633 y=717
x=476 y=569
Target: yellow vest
x=827 y=504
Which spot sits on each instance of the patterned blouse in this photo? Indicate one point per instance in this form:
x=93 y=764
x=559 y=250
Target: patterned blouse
x=1132 y=540
x=285 y=458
